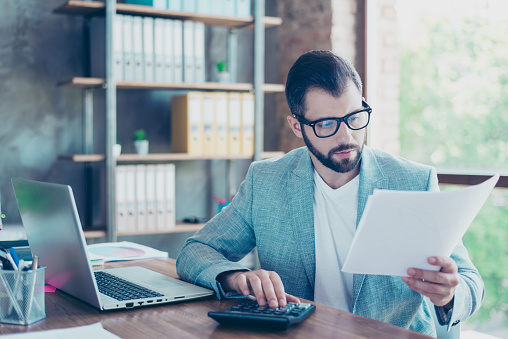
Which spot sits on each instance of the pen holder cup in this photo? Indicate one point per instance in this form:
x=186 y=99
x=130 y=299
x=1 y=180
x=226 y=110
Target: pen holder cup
x=22 y=296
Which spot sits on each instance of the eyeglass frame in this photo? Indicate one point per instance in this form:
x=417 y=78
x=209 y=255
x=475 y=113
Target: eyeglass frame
x=312 y=124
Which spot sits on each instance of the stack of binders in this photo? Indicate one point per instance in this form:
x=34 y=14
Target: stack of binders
x=241 y=8
x=213 y=124
x=145 y=199
x=147 y=49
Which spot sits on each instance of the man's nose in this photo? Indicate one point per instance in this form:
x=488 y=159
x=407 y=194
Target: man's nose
x=343 y=133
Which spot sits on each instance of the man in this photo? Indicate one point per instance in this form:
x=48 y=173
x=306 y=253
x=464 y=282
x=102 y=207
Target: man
x=301 y=211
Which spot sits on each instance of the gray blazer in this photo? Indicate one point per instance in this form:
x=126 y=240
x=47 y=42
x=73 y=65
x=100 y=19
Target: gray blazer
x=273 y=210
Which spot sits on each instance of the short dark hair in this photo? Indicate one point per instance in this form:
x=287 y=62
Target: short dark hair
x=318 y=70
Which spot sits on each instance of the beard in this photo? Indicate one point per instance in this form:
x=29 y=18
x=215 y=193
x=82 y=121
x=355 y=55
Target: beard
x=339 y=166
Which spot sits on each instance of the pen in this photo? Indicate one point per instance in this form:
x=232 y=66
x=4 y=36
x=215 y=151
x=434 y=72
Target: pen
x=14 y=256
x=35 y=263
x=11 y=261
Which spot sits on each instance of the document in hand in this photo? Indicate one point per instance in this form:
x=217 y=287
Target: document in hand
x=401 y=229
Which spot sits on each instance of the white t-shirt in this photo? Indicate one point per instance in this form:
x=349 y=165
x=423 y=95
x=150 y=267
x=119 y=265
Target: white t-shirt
x=334 y=226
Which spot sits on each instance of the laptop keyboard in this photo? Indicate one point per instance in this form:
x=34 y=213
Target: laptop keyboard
x=120 y=289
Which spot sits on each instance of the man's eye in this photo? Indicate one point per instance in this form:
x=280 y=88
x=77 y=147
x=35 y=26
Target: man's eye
x=326 y=124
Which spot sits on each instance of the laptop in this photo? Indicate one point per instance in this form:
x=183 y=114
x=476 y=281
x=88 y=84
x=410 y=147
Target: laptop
x=54 y=232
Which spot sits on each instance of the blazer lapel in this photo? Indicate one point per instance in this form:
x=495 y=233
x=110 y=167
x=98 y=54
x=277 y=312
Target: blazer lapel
x=371 y=177
x=301 y=188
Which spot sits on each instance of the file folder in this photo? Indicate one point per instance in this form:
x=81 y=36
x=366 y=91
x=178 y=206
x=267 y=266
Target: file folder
x=150 y=198
x=118 y=47
x=137 y=45
x=209 y=124
x=199 y=52
x=148 y=49
x=141 y=209
x=159 y=43
x=247 y=129
x=130 y=184
x=187 y=123
x=177 y=50
x=128 y=50
x=189 y=74
x=169 y=190
x=221 y=118
x=234 y=124
x=160 y=196
x=121 y=194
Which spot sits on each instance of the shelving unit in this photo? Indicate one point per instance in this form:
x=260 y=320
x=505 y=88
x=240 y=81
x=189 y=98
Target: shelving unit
x=258 y=22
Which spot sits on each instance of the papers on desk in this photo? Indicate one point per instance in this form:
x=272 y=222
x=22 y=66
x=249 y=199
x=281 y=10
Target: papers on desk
x=82 y=332
x=121 y=251
x=401 y=229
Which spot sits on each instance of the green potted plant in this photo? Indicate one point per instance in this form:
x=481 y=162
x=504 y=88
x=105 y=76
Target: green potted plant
x=140 y=142
x=223 y=75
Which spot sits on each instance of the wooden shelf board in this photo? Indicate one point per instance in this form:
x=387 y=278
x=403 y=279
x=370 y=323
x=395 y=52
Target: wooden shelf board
x=268 y=155
x=82 y=157
x=82 y=82
x=180 y=228
x=97 y=8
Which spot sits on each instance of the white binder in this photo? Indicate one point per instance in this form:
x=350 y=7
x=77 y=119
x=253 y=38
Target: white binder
x=177 y=50
x=203 y=6
x=121 y=194
x=137 y=45
x=216 y=7
x=189 y=5
x=170 y=196
x=243 y=8
x=189 y=74
x=141 y=219
x=150 y=197
x=160 y=203
x=229 y=7
x=130 y=184
x=148 y=49
x=209 y=126
x=175 y=5
x=199 y=52
x=118 y=47
x=168 y=51
x=128 y=51
x=159 y=42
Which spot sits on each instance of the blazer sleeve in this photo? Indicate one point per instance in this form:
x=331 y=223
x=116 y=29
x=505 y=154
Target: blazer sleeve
x=221 y=243
x=470 y=291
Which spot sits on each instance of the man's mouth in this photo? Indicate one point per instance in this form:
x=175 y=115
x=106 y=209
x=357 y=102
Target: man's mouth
x=345 y=154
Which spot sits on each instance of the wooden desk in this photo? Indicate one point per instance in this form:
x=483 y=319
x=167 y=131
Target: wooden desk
x=190 y=320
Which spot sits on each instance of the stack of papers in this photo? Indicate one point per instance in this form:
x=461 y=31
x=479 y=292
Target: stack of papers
x=401 y=229
x=121 y=251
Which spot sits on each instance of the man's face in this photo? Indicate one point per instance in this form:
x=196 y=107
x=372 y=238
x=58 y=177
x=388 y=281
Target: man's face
x=340 y=152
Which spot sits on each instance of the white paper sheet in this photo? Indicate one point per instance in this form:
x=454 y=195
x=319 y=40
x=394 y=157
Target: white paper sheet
x=401 y=229
x=82 y=332
x=121 y=251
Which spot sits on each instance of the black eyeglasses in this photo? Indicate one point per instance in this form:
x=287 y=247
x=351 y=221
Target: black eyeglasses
x=324 y=128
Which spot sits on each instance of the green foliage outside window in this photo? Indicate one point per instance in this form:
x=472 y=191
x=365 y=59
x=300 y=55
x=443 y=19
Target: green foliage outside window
x=454 y=115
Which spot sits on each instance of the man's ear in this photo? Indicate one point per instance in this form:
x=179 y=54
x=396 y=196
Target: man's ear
x=295 y=126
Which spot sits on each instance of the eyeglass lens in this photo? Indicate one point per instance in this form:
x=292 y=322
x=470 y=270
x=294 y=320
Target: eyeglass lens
x=355 y=121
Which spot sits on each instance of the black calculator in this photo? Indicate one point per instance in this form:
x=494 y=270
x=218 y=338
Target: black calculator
x=249 y=313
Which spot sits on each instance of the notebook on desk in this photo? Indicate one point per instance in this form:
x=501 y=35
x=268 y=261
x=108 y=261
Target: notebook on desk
x=54 y=232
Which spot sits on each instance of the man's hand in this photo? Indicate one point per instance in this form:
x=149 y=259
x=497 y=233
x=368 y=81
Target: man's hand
x=266 y=286
x=439 y=286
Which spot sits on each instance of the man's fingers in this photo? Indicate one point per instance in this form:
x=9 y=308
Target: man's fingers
x=448 y=265
x=269 y=290
x=242 y=286
x=292 y=299
x=257 y=288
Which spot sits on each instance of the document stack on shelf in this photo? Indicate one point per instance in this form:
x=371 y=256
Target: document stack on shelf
x=150 y=50
x=213 y=124
x=241 y=8
x=145 y=198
